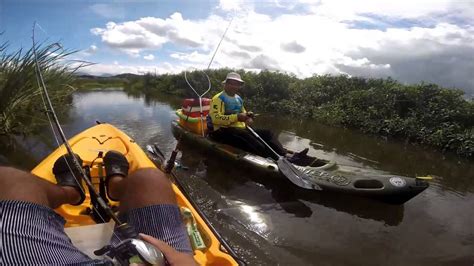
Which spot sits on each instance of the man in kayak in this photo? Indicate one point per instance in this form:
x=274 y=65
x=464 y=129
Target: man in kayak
x=228 y=119
x=32 y=233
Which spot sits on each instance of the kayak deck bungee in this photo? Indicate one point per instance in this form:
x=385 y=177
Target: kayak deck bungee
x=392 y=189
x=100 y=139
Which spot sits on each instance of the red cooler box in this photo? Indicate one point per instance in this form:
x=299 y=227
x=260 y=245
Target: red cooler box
x=191 y=107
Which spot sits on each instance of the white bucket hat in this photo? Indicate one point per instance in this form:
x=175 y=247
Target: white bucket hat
x=233 y=76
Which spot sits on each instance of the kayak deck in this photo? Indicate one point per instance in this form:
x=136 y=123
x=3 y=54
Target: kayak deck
x=100 y=139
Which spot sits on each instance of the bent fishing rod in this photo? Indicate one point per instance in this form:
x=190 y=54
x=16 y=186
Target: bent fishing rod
x=129 y=245
x=208 y=80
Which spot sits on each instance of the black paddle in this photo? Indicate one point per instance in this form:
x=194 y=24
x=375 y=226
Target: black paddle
x=288 y=169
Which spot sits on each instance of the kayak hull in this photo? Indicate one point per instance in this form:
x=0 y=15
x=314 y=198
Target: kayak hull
x=393 y=189
x=100 y=139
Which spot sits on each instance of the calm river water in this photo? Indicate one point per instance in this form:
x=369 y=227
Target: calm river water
x=271 y=225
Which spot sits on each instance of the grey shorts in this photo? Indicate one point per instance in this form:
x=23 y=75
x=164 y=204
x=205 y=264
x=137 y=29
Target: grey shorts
x=32 y=234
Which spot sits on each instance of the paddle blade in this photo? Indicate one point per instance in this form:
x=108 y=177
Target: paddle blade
x=296 y=176
x=428 y=177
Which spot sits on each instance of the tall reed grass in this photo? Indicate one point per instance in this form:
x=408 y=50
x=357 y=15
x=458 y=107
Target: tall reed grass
x=21 y=106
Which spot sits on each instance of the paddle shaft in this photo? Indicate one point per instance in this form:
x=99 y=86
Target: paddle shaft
x=263 y=141
x=287 y=169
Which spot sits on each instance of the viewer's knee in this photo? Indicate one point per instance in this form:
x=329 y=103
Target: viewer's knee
x=149 y=177
x=146 y=187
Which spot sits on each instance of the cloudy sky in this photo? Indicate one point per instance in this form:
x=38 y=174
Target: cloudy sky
x=409 y=40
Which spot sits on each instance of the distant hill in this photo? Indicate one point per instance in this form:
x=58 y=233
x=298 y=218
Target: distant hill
x=106 y=76
x=85 y=81
x=127 y=75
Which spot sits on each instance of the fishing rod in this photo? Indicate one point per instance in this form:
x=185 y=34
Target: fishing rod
x=208 y=80
x=129 y=245
x=217 y=48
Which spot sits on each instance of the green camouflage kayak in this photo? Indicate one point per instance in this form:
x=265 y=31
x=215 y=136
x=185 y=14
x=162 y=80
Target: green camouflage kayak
x=389 y=188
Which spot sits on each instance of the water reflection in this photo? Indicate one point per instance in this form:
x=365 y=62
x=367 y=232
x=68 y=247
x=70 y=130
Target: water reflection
x=146 y=123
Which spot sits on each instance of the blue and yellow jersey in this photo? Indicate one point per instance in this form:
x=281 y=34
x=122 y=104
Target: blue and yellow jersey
x=224 y=110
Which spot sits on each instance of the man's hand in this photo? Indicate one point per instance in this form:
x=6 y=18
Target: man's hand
x=242 y=117
x=247 y=118
x=173 y=256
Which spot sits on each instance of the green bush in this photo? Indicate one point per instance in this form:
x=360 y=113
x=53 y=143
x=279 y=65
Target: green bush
x=421 y=113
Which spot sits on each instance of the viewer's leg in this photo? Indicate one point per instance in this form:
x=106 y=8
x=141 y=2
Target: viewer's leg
x=144 y=187
x=148 y=203
x=22 y=186
x=31 y=232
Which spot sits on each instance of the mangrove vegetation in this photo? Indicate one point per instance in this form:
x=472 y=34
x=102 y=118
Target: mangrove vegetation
x=421 y=113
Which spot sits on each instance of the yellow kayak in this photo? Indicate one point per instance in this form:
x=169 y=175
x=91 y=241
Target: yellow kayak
x=102 y=138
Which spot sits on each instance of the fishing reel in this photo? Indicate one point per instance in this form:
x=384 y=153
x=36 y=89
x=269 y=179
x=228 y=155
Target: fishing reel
x=131 y=250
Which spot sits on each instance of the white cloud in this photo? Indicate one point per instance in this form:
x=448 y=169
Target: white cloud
x=346 y=9
x=409 y=40
x=149 y=33
x=115 y=69
x=149 y=57
x=90 y=51
x=233 y=5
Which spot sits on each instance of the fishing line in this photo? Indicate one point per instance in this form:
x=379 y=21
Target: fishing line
x=222 y=38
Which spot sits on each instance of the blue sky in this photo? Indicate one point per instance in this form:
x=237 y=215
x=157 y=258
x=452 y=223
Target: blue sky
x=409 y=40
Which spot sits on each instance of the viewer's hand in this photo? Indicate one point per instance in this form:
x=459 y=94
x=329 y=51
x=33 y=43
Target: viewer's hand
x=173 y=256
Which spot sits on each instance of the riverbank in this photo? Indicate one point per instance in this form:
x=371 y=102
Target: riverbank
x=422 y=113
x=88 y=82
